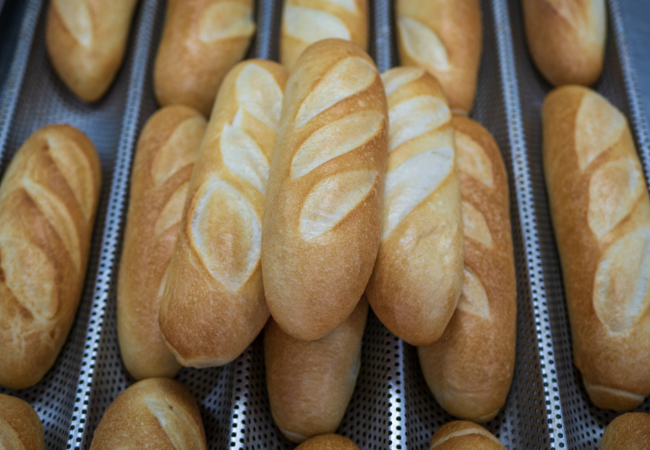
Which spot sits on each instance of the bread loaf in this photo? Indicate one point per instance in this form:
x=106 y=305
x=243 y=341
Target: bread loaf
x=417 y=278
x=48 y=199
x=310 y=383
x=213 y=305
x=566 y=39
x=469 y=369
x=601 y=216
x=461 y=435
x=321 y=233
x=20 y=427
x=445 y=38
x=202 y=40
x=307 y=21
x=86 y=40
x=328 y=442
x=164 y=158
x=154 y=413
x=630 y=431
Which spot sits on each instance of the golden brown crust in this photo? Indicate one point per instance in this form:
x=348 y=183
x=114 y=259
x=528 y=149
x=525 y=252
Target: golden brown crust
x=48 y=200
x=310 y=383
x=320 y=242
x=213 y=306
x=86 y=40
x=328 y=442
x=20 y=427
x=155 y=413
x=164 y=159
x=462 y=435
x=566 y=39
x=601 y=217
x=445 y=38
x=469 y=369
x=417 y=278
x=307 y=21
x=202 y=40
x=630 y=431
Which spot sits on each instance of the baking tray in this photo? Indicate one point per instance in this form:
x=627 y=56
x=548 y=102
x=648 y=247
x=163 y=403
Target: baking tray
x=583 y=422
x=32 y=97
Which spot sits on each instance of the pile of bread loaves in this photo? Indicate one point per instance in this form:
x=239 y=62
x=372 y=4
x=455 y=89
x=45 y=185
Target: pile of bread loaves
x=317 y=188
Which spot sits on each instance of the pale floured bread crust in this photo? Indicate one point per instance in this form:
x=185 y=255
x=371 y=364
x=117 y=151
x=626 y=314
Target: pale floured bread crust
x=20 y=427
x=164 y=159
x=630 y=431
x=328 y=442
x=86 y=40
x=322 y=229
x=155 y=413
x=446 y=38
x=601 y=216
x=307 y=21
x=202 y=40
x=469 y=369
x=213 y=306
x=310 y=383
x=461 y=435
x=48 y=200
x=566 y=39
x=417 y=278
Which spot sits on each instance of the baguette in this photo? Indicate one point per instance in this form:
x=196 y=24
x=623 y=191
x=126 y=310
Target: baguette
x=566 y=39
x=417 y=278
x=310 y=383
x=202 y=40
x=328 y=442
x=213 y=305
x=86 y=40
x=445 y=38
x=321 y=235
x=601 y=216
x=307 y=21
x=461 y=435
x=630 y=431
x=166 y=152
x=469 y=369
x=20 y=427
x=48 y=200
x=154 y=413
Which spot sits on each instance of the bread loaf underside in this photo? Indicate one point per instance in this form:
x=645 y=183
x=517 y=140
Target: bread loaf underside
x=48 y=199
x=213 y=305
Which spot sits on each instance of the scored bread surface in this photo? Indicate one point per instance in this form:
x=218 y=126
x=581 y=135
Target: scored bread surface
x=48 y=200
x=213 y=305
x=417 y=278
x=164 y=159
x=322 y=218
x=601 y=217
x=462 y=435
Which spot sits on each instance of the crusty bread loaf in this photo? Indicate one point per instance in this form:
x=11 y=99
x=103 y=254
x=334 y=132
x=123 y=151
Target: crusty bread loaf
x=566 y=39
x=328 y=442
x=48 y=200
x=462 y=435
x=213 y=305
x=601 y=216
x=418 y=275
x=310 y=383
x=86 y=40
x=446 y=38
x=469 y=369
x=154 y=413
x=20 y=427
x=164 y=159
x=321 y=231
x=202 y=40
x=630 y=431
x=307 y=21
